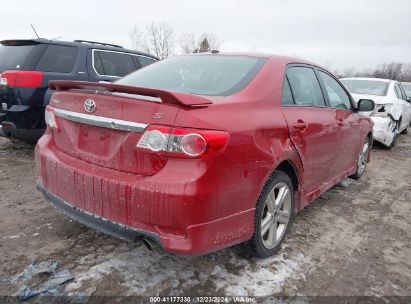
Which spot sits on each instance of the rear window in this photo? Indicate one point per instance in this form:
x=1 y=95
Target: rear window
x=13 y=57
x=368 y=87
x=117 y=64
x=58 y=59
x=202 y=75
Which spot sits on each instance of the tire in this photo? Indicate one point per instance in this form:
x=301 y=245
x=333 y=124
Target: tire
x=362 y=159
x=278 y=221
x=405 y=131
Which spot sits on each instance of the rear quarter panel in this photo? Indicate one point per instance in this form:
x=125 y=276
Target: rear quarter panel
x=259 y=139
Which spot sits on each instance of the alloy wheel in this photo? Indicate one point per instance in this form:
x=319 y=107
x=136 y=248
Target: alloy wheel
x=362 y=158
x=276 y=215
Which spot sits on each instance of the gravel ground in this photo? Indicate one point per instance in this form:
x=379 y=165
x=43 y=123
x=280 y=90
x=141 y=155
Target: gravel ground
x=352 y=241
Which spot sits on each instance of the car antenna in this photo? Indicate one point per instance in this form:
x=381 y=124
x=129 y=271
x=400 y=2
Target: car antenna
x=34 y=31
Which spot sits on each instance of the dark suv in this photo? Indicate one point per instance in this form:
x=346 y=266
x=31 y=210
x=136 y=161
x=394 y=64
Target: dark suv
x=26 y=67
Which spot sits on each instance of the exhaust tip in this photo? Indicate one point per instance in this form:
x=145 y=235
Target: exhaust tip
x=148 y=244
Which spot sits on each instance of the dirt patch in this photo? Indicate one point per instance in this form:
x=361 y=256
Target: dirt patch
x=353 y=240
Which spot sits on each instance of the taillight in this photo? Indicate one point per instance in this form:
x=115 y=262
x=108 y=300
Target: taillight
x=182 y=142
x=51 y=119
x=22 y=78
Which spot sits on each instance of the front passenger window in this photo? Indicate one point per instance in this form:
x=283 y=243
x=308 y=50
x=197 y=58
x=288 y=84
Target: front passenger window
x=337 y=97
x=305 y=86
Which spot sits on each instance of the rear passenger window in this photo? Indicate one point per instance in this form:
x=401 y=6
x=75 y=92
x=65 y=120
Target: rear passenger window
x=58 y=59
x=107 y=63
x=305 y=86
x=145 y=60
x=337 y=97
x=287 y=95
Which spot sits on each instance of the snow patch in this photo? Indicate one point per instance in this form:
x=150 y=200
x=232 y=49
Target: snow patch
x=146 y=272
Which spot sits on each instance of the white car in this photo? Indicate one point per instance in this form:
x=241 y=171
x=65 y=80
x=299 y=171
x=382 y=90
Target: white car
x=392 y=113
x=407 y=88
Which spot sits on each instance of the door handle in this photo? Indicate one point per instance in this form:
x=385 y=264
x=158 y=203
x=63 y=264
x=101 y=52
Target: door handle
x=300 y=125
x=340 y=122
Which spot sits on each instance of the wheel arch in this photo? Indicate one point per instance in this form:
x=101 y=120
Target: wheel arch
x=288 y=167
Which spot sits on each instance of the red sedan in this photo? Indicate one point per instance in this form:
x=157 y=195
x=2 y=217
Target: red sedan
x=197 y=153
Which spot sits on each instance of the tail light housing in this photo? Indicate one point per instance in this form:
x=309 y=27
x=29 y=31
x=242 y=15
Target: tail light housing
x=21 y=79
x=182 y=142
x=51 y=119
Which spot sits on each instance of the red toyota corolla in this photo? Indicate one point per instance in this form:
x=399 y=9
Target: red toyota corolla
x=201 y=152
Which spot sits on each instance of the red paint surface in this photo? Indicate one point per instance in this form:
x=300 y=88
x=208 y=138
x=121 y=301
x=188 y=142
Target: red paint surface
x=202 y=204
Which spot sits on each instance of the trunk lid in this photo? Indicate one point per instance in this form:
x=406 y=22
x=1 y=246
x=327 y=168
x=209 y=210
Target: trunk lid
x=107 y=135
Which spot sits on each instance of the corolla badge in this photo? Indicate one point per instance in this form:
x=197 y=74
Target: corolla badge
x=90 y=105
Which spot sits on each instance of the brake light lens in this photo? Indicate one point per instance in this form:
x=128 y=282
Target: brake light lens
x=51 y=119
x=22 y=78
x=182 y=142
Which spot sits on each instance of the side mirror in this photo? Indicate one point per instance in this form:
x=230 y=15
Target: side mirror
x=365 y=105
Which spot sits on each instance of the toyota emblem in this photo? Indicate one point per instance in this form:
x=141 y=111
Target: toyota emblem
x=90 y=105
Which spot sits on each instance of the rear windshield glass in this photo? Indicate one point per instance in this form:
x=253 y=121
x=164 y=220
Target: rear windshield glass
x=407 y=88
x=202 y=75
x=12 y=57
x=368 y=87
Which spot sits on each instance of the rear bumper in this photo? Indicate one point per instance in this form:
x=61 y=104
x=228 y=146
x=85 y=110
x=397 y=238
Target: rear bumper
x=2 y=134
x=176 y=213
x=30 y=136
x=23 y=122
x=109 y=227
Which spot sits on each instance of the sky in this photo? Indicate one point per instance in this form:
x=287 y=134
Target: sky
x=336 y=34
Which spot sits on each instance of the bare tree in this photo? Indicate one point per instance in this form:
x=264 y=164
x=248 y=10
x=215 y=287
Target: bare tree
x=204 y=43
x=161 y=39
x=139 y=40
x=394 y=70
x=188 y=43
x=157 y=38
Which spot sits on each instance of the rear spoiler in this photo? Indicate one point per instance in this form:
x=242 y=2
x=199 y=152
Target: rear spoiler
x=187 y=100
x=19 y=42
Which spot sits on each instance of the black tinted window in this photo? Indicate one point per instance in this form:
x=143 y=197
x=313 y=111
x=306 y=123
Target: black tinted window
x=58 y=59
x=12 y=57
x=144 y=61
x=305 y=86
x=337 y=97
x=113 y=64
x=203 y=75
x=287 y=95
